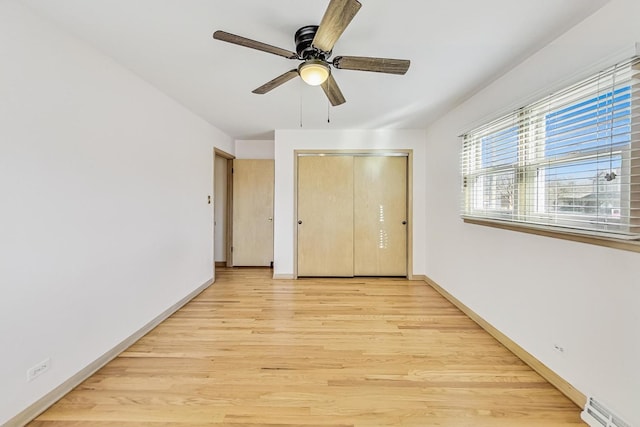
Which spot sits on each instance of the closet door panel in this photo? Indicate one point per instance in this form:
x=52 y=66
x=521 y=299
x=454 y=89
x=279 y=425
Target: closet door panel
x=325 y=216
x=380 y=215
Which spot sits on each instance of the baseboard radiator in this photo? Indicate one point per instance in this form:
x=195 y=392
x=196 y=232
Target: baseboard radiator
x=597 y=415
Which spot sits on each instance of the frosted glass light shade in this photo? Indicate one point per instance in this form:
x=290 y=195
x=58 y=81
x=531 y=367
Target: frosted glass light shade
x=314 y=72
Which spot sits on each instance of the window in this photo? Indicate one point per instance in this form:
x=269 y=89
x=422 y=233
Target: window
x=570 y=162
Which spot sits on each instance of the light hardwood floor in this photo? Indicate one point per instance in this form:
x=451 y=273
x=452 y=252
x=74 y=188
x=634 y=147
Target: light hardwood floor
x=250 y=351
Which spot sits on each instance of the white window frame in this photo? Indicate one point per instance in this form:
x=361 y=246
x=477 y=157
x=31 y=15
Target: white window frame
x=531 y=205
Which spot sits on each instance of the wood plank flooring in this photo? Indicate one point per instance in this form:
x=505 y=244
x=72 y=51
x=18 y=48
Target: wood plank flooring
x=250 y=351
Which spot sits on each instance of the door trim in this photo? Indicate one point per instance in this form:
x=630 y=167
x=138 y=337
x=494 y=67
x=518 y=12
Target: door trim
x=370 y=152
x=229 y=201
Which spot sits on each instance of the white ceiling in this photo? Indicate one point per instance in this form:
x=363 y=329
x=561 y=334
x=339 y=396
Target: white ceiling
x=455 y=47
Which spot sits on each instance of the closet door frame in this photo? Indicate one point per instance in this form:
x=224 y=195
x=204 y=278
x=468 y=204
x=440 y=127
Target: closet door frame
x=373 y=152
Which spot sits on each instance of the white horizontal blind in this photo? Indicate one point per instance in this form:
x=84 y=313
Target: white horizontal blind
x=569 y=161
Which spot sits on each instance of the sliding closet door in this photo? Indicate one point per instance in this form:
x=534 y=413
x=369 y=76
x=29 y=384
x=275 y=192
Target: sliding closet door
x=380 y=216
x=325 y=216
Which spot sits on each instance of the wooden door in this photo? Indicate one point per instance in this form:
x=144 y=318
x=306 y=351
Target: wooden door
x=325 y=216
x=380 y=216
x=253 y=182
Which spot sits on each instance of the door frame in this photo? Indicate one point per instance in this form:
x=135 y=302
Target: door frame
x=354 y=152
x=229 y=201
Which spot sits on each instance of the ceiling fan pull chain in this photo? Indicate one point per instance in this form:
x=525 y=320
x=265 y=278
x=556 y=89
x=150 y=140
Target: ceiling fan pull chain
x=329 y=103
x=301 y=88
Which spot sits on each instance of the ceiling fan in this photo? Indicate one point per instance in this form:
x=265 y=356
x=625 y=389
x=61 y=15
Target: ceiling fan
x=314 y=45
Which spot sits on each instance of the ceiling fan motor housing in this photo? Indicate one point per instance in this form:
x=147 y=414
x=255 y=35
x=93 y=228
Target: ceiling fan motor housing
x=303 y=39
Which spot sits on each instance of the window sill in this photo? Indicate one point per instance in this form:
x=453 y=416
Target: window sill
x=625 y=245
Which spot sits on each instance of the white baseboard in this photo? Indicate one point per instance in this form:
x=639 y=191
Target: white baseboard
x=419 y=277
x=59 y=392
x=545 y=372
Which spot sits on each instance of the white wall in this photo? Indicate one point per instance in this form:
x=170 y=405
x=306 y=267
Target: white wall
x=542 y=291
x=289 y=140
x=255 y=149
x=104 y=222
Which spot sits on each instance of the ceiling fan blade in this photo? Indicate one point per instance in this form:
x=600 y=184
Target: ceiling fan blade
x=281 y=79
x=338 y=15
x=378 y=65
x=333 y=92
x=243 y=41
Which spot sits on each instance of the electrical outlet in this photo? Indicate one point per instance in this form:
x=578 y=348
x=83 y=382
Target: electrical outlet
x=38 y=369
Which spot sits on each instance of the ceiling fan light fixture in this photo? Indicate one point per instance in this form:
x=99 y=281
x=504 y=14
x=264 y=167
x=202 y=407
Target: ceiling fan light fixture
x=314 y=72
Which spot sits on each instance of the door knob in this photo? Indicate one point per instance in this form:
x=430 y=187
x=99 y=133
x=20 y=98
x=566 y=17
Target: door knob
x=269 y=219
x=299 y=221
x=404 y=222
